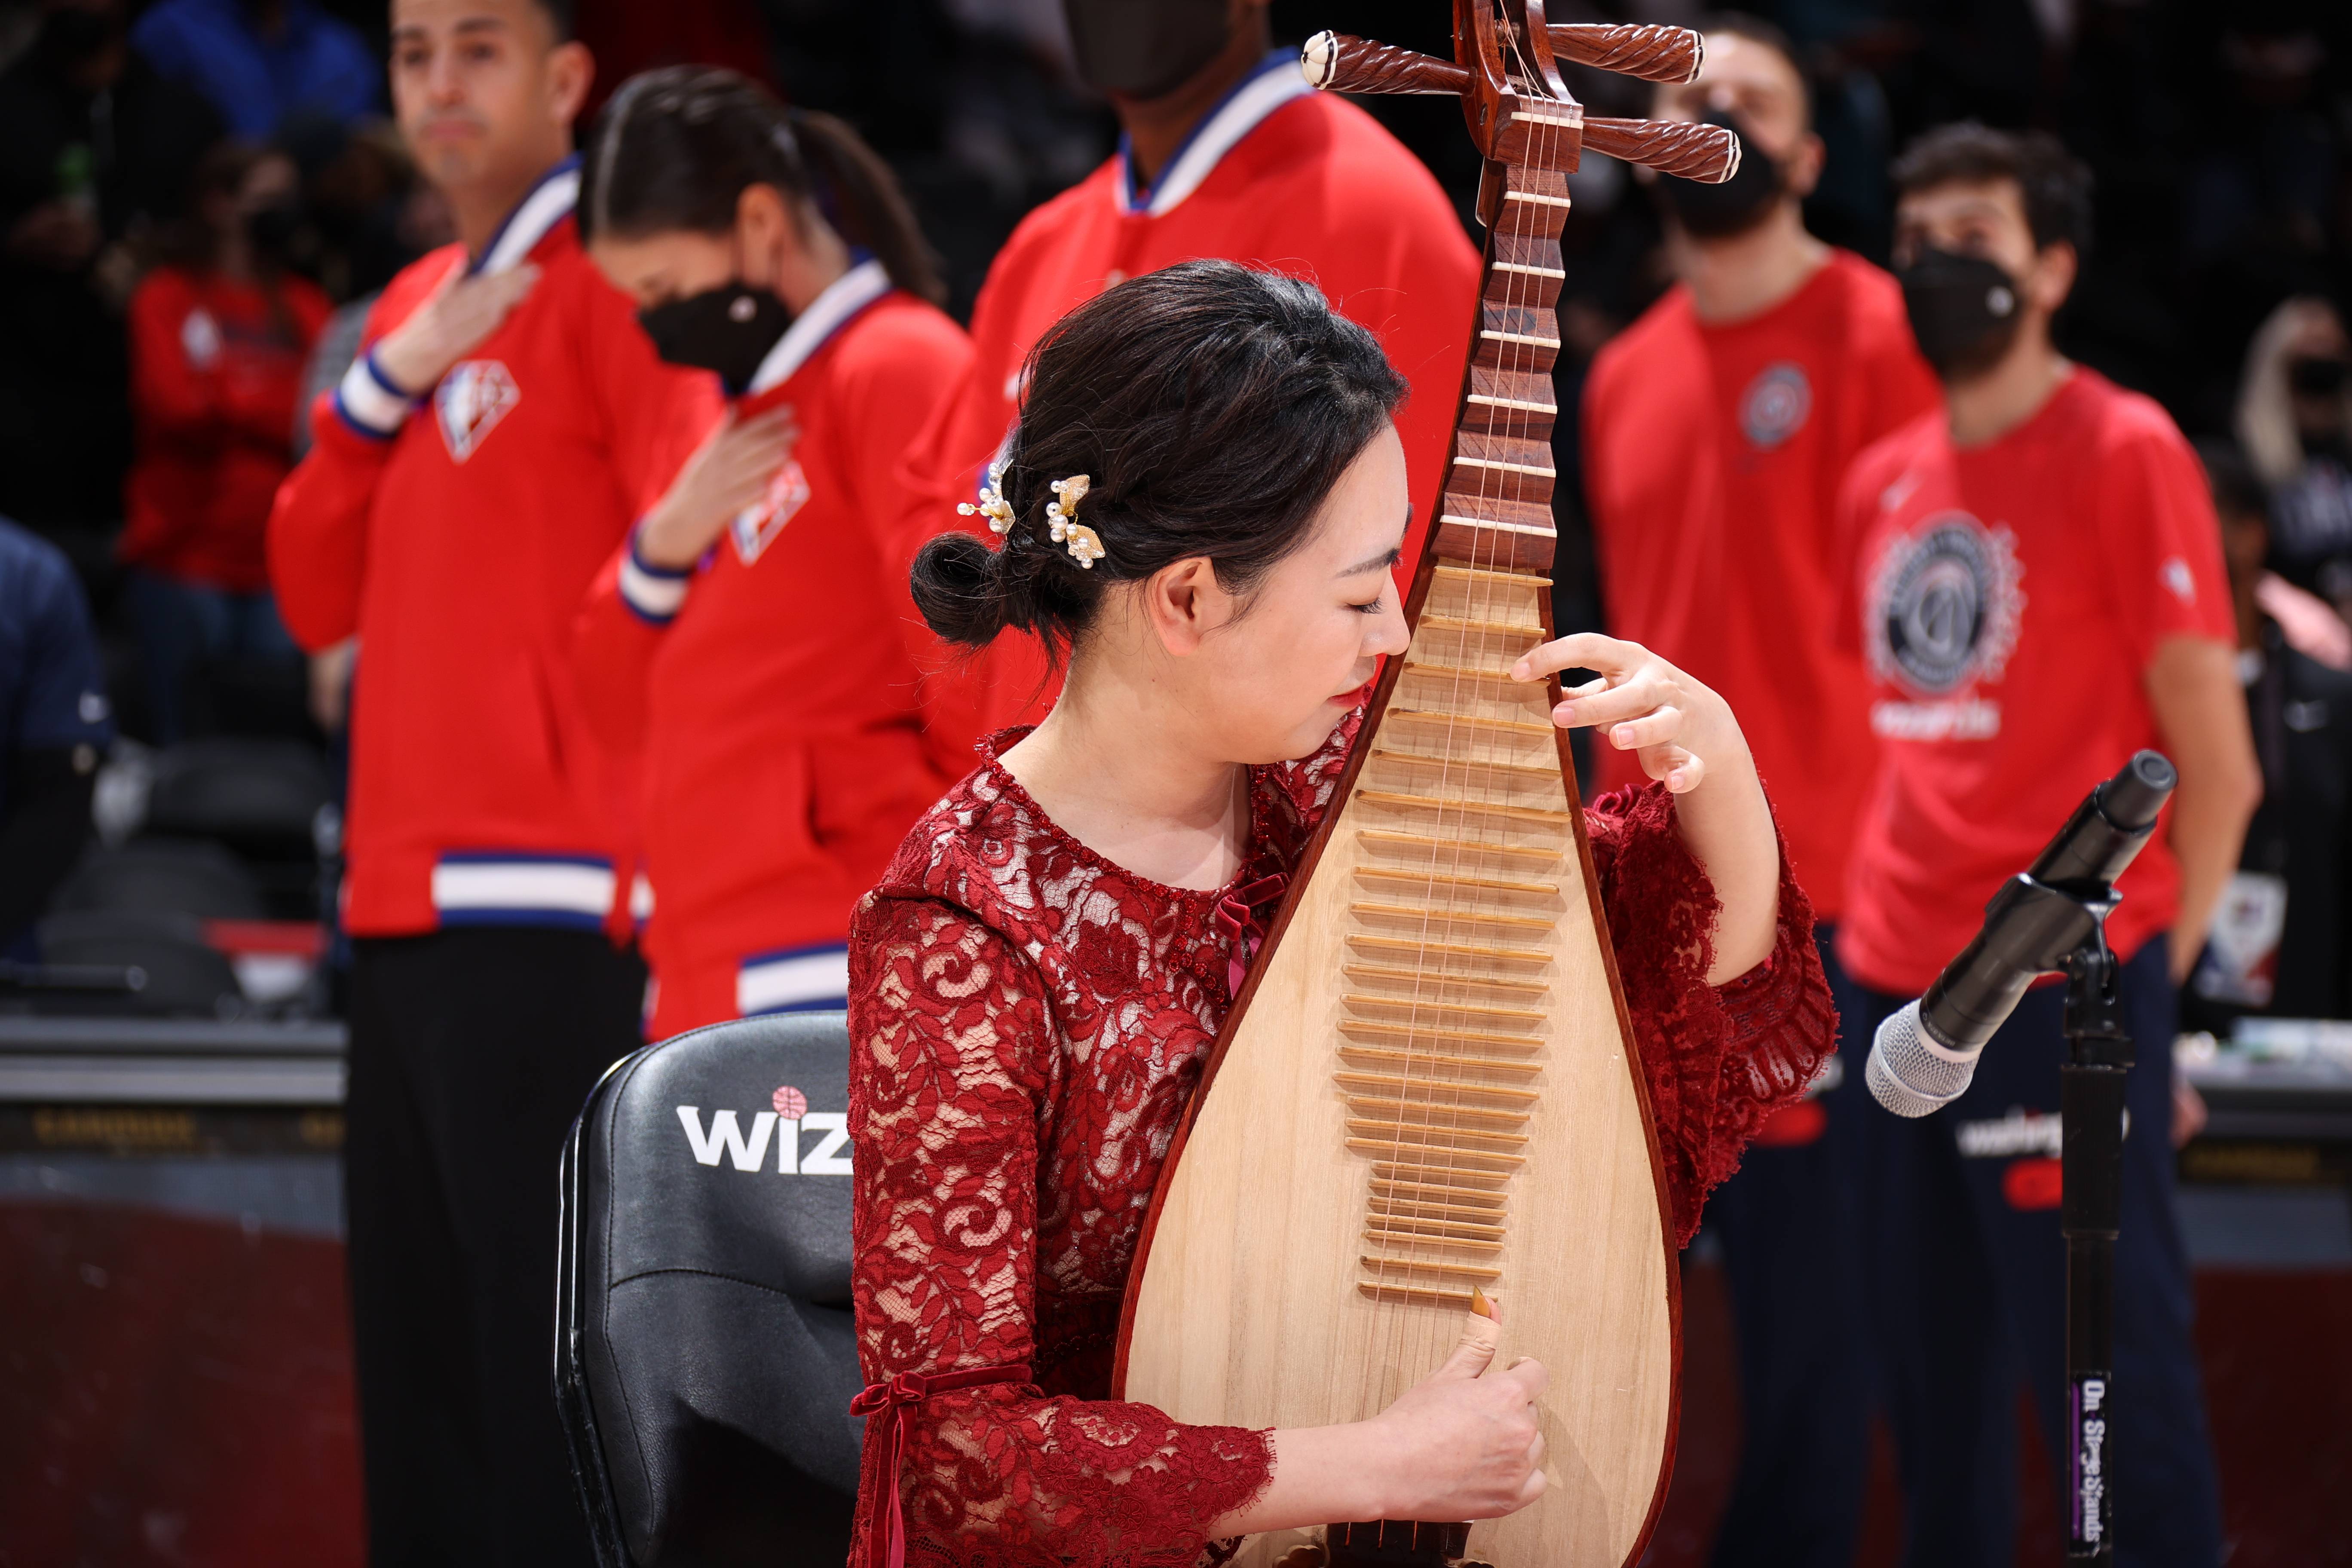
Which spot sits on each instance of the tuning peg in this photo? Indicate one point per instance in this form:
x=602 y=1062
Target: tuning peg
x=1708 y=154
x=1651 y=53
x=1340 y=62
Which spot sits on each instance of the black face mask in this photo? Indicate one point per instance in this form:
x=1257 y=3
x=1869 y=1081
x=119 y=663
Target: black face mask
x=1145 y=48
x=2314 y=377
x=1964 y=310
x=271 y=232
x=729 y=329
x=1734 y=206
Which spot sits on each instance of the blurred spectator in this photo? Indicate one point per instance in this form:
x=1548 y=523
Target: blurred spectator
x=261 y=61
x=2279 y=942
x=95 y=148
x=370 y=213
x=2040 y=594
x=627 y=36
x=54 y=724
x=220 y=334
x=2294 y=420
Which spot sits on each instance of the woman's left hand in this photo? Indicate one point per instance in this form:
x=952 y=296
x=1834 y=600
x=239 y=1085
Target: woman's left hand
x=1679 y=730
x=1685 y=737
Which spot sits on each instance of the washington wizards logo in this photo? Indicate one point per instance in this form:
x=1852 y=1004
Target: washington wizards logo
x=1944 y=605
x=756 y=526
x=470 y=401
x=1775 y=405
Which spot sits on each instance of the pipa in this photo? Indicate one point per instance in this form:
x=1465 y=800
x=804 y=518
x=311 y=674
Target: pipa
x=1428 y=1083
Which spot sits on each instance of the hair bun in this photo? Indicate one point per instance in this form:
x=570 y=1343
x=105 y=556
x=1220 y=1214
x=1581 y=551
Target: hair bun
x=960 y=590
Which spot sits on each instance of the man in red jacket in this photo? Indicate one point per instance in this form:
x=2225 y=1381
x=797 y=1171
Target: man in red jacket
x=1225 y=151
x=487 y=453
x=1717 y=428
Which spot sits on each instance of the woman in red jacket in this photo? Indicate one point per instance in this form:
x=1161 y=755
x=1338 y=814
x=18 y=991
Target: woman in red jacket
x=219 y=334
x=755 y=638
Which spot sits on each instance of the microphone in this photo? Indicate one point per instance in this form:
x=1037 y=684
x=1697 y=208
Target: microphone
x=1924 y=1056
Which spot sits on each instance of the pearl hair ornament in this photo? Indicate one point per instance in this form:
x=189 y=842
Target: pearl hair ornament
x=992 y=506
x=1084 y=543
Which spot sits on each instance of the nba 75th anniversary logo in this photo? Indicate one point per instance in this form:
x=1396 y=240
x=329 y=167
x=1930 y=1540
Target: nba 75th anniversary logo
x=1942 y=616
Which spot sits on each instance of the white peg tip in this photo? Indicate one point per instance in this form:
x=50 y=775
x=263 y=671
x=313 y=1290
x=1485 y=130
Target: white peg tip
x=1317 y=59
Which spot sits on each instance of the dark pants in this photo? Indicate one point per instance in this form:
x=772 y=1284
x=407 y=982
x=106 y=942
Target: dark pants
x=1966 y=1286
x=1790 y=1225
x=471 y=1052
x=185 y=629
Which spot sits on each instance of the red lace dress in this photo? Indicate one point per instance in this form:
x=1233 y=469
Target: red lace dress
x=1028 y=1020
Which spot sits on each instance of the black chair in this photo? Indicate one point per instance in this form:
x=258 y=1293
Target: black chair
x=704 y=1359
x=163 y=877
x=240 y=789
x=176 y=973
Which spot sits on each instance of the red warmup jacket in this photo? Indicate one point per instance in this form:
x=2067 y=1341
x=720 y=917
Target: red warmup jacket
x=456 y=534
x=215 y=373
x=1277 y=176
x=773 y=687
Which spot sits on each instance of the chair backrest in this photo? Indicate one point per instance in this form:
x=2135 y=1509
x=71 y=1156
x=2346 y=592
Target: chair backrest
x=239 y=789
x=163 y=877
x=705 y=1356
x=178 y=974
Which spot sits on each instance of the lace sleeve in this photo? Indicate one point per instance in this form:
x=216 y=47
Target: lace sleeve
x=1719 y=1059
x=953 y=1069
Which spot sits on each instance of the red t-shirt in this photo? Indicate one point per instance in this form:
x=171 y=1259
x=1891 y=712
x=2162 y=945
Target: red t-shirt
x=1713 y=455
x=215 y=371
x=2009 y=600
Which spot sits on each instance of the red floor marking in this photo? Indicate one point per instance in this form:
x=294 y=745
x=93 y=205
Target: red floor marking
x=176 y=1390
x=2278 y=1393
x=172 y=1390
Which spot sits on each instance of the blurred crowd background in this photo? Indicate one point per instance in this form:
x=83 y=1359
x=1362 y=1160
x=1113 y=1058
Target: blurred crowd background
x=199 y=197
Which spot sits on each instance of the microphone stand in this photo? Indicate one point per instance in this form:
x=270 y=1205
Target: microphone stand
x=2052 y=918
x=2071 y=916
x=2091 y=1118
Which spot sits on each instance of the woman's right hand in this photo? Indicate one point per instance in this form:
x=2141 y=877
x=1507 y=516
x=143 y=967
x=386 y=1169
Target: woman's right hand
x=1463 y=1443
x=727 y=472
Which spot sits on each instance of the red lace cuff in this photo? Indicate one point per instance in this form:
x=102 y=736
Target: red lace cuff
x=1718 y=1059
x=887 y=1547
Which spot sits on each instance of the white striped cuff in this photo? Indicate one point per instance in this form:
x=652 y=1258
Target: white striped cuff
x=793 y=980
x=654 y=593
x=368 y=401
x=486 y=888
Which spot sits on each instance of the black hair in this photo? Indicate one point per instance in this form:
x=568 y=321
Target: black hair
x=1757 y=30
x=2235 y=487
x=676 y=147
x=2054 y=184
x=1212 y=408
x=563 y=16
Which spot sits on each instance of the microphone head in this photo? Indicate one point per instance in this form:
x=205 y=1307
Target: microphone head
x=2133 y=797
x=1909 y=1072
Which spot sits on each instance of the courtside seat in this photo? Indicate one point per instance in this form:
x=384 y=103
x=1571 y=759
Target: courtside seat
x=174 y=972
x=246 y=792
x=163 y=877
x=705 y=1360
